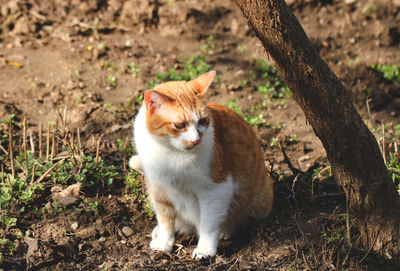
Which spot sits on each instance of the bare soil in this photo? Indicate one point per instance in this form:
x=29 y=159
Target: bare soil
x=60 y=54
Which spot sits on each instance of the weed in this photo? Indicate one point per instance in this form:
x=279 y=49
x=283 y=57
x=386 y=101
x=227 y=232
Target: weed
x=77 y=72
x=389 y=72
x=254 y=117
x=393 y=166
x=209 y=46
x=133 y=182
x=274 y=141
x=91 y=206
x=194 y=66
x=23 y=179
x=368 y=9
x=112 y=80
x=133 y=69
x=241 y=48
x=292 y=138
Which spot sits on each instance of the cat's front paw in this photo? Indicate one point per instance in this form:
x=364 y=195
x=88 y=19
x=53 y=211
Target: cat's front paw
x=162 y=241
x=203 y=252
x=162 y=245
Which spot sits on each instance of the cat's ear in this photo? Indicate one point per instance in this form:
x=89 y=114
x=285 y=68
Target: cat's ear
x=202 y=82
x=154 y=100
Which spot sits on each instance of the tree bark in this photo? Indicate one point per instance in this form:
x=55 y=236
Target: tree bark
x=352 y=150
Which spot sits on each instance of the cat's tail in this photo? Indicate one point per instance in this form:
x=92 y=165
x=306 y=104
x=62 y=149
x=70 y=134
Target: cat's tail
x=135 y=163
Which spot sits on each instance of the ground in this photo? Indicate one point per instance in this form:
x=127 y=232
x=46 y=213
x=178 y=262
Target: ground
x=85 y=64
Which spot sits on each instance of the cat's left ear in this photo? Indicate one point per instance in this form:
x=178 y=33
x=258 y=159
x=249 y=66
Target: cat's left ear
x=202 y=82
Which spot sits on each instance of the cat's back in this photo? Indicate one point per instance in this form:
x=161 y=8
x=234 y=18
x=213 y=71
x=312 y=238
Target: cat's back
x=232 y=131
x=238 y=152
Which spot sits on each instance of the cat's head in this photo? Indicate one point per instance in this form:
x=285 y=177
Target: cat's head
x=176 y=112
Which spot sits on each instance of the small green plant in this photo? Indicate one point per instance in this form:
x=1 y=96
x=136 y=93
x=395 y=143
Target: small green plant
x=91 y=206
x=112 y=80
x=209 y=46
x=133 y=182
x=368 y=9
x=241 y=48
x=274 y=141
x=133 y=69
x=389 y=72
x=292 y=138
x=393 y=166
x=254 y=117
x=194 y=66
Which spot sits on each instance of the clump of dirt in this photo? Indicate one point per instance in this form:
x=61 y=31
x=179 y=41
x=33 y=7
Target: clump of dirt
x=93 y=60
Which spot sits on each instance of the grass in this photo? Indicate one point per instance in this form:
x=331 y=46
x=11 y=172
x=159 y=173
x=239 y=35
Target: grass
x=389 y=72
x=34 y=162
x=254 y=116
x=194 y=66
x=274 y=87
x=393 y=165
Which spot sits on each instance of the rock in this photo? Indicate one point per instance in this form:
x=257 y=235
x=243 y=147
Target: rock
x=128 y=231
x=74 y=225
x=350 y=2
x=21 y=26
x=32 y=247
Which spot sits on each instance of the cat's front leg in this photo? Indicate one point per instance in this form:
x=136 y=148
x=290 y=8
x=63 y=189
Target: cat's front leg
x=163 y=235
x=214 y=205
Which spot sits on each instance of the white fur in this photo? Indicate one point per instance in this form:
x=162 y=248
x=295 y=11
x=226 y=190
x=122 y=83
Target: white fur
x=185 y=177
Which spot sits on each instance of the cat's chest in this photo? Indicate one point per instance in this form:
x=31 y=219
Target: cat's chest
x=179 y=173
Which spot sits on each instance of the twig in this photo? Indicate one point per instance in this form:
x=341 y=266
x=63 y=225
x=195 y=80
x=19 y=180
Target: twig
x=21 y=167
x=48 y=142
x=370 y=248
x=2 y=173
x=78 y=133
x=230 y=268
x=348 y=215
x=383 y=142
x=10 y=148
x=25 y=145
x=97 y=150
x=294 y=170
x=53 y=142
x=40 y=140
x=306 y=261
x=33 y=173
x=56 y=137
x=48 y=171
x=31 y=142
x=369 y=113
x=4 y=150
x=348 y=252
x=327 y=195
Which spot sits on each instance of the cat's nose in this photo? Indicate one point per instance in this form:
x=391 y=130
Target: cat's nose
x=196 y=141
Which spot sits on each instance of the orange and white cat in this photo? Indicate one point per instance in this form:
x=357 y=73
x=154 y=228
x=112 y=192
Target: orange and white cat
x=203 y=164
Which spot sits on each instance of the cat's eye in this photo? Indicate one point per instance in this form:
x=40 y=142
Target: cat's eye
x=203 y=121
x=180 y=125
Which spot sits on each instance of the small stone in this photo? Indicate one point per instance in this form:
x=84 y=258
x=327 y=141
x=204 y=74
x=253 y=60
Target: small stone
x=102 y=239
x=350 y=2
x=127 y=231
x=74 y=226
x=80 y=246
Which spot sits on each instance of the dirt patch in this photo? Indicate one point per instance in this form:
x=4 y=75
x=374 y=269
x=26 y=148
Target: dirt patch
x=76 y=57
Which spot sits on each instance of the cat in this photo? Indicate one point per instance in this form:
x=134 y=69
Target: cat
x=203 y=165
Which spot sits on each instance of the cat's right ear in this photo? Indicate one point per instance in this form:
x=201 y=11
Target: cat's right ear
x=202 y=83
x=154 y=100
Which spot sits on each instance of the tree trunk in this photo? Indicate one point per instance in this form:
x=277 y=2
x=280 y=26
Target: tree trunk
x=352 y=150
